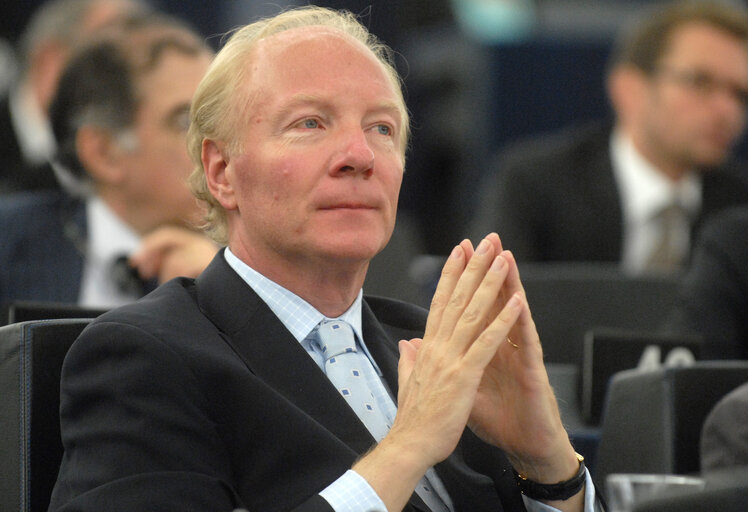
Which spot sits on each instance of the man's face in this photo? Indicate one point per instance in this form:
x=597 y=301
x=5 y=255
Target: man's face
x=158 y=168
x=322 y=161
x=695 y=105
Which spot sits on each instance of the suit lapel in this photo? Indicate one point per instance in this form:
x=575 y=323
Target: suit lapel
x=273 y=354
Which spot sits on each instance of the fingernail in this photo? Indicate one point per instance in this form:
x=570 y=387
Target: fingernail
x=456 y=253
x=514 y=300
x=498 y=263
x=483 y=247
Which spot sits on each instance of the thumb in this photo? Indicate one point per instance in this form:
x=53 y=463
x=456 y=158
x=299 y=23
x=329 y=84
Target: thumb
x=408 y=353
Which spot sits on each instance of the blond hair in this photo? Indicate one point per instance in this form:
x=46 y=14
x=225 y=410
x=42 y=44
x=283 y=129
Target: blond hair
x=222 y=100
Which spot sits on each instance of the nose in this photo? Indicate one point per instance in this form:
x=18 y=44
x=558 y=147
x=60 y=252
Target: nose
x=355 y=155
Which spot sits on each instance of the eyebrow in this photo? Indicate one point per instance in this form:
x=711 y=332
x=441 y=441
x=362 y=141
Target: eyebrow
x=303 y=99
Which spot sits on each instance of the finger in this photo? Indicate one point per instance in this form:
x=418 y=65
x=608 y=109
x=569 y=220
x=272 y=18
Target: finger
x=525 y=332
x=451 y=271
x=147 y=263
x=161 y=240
x=467 y=285
x=513 y=281
x=481 y=311
x=407 y=361
x=148 y=258
x=495 y=241
x=467 y=246
x=485 y=346
x=491 y=237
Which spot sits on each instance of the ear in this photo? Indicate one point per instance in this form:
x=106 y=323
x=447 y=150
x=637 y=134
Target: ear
x=627 y=89
x=48 y=61
x=100 y=154
x=218 y=173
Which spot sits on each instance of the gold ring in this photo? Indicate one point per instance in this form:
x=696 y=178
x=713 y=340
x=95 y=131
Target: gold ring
x=509 y=340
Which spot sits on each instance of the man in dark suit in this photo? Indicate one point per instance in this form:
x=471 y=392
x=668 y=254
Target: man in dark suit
x=712 y=299
x=121 y=124
x=26 y=140
x=679 y=85
x=216 y=393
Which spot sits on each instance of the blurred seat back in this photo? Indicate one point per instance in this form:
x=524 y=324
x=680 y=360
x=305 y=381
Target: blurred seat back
x=726 y=491
x=31 y=355
x=652 y=420
x=567 y=300
x=24 y=310
x=608 y=351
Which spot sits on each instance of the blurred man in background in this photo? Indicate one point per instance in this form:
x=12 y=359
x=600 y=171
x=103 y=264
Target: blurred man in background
x=26 y=140
x=120 y=116
x=634 y=192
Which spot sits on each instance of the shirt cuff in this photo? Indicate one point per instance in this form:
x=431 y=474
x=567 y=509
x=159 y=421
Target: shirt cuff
x=591 y=504
x=352 y=493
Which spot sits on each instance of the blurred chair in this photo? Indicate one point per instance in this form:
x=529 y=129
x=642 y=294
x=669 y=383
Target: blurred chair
x=652 y=419
x=22 y=311
x=608 y=351
x=570 y=299
x=726 y=491
x=31 y=355
x=567 y=300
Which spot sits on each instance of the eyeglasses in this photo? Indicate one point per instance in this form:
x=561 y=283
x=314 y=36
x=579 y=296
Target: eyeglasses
x=704 y=83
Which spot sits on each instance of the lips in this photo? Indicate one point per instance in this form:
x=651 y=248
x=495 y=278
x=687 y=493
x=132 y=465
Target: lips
x=348 y=206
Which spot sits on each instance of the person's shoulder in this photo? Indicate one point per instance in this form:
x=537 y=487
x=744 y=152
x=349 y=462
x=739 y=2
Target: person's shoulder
x=735 y=216
x=397 y=313
x=569 y=148
x=169 y=310
x=17 y=203
x=724 y=435
x=728 y=225
x=730 y=179
x=30 y=214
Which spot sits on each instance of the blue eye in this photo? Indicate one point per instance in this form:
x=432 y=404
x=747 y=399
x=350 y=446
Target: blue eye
x=383 y=129
x=311 y=123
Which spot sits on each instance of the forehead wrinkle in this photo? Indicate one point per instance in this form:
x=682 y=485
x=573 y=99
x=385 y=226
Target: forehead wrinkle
x=304 y=99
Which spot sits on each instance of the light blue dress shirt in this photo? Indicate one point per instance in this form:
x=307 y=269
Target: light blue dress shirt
x=351 y=492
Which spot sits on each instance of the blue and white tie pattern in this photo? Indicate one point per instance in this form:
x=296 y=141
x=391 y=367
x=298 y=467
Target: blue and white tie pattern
x=338 y=345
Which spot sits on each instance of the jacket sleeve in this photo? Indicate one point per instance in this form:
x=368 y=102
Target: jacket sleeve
x=136 y=431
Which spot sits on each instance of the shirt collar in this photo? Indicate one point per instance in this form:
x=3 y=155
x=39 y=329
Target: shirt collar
x=108 y=236
x=299 y=317
x=644 y=190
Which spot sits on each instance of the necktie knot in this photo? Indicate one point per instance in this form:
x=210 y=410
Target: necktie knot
x=335 y=338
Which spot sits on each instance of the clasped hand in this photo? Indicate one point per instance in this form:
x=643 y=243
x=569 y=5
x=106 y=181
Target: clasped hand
x=480 y=364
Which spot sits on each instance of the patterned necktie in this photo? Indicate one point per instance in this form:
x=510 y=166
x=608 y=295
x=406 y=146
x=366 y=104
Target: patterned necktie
x=666 y=255
x=338 y=345
x=337 y=342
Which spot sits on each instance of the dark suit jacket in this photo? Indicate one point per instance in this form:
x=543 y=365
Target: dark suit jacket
x=555 y=198
x=39 y=256
x=713 y=295
x=15 y=173
x=197 y=398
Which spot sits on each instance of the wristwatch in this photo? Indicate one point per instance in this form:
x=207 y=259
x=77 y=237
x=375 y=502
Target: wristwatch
x=550 y=492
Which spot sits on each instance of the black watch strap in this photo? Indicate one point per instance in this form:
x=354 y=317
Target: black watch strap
x=551 y=492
